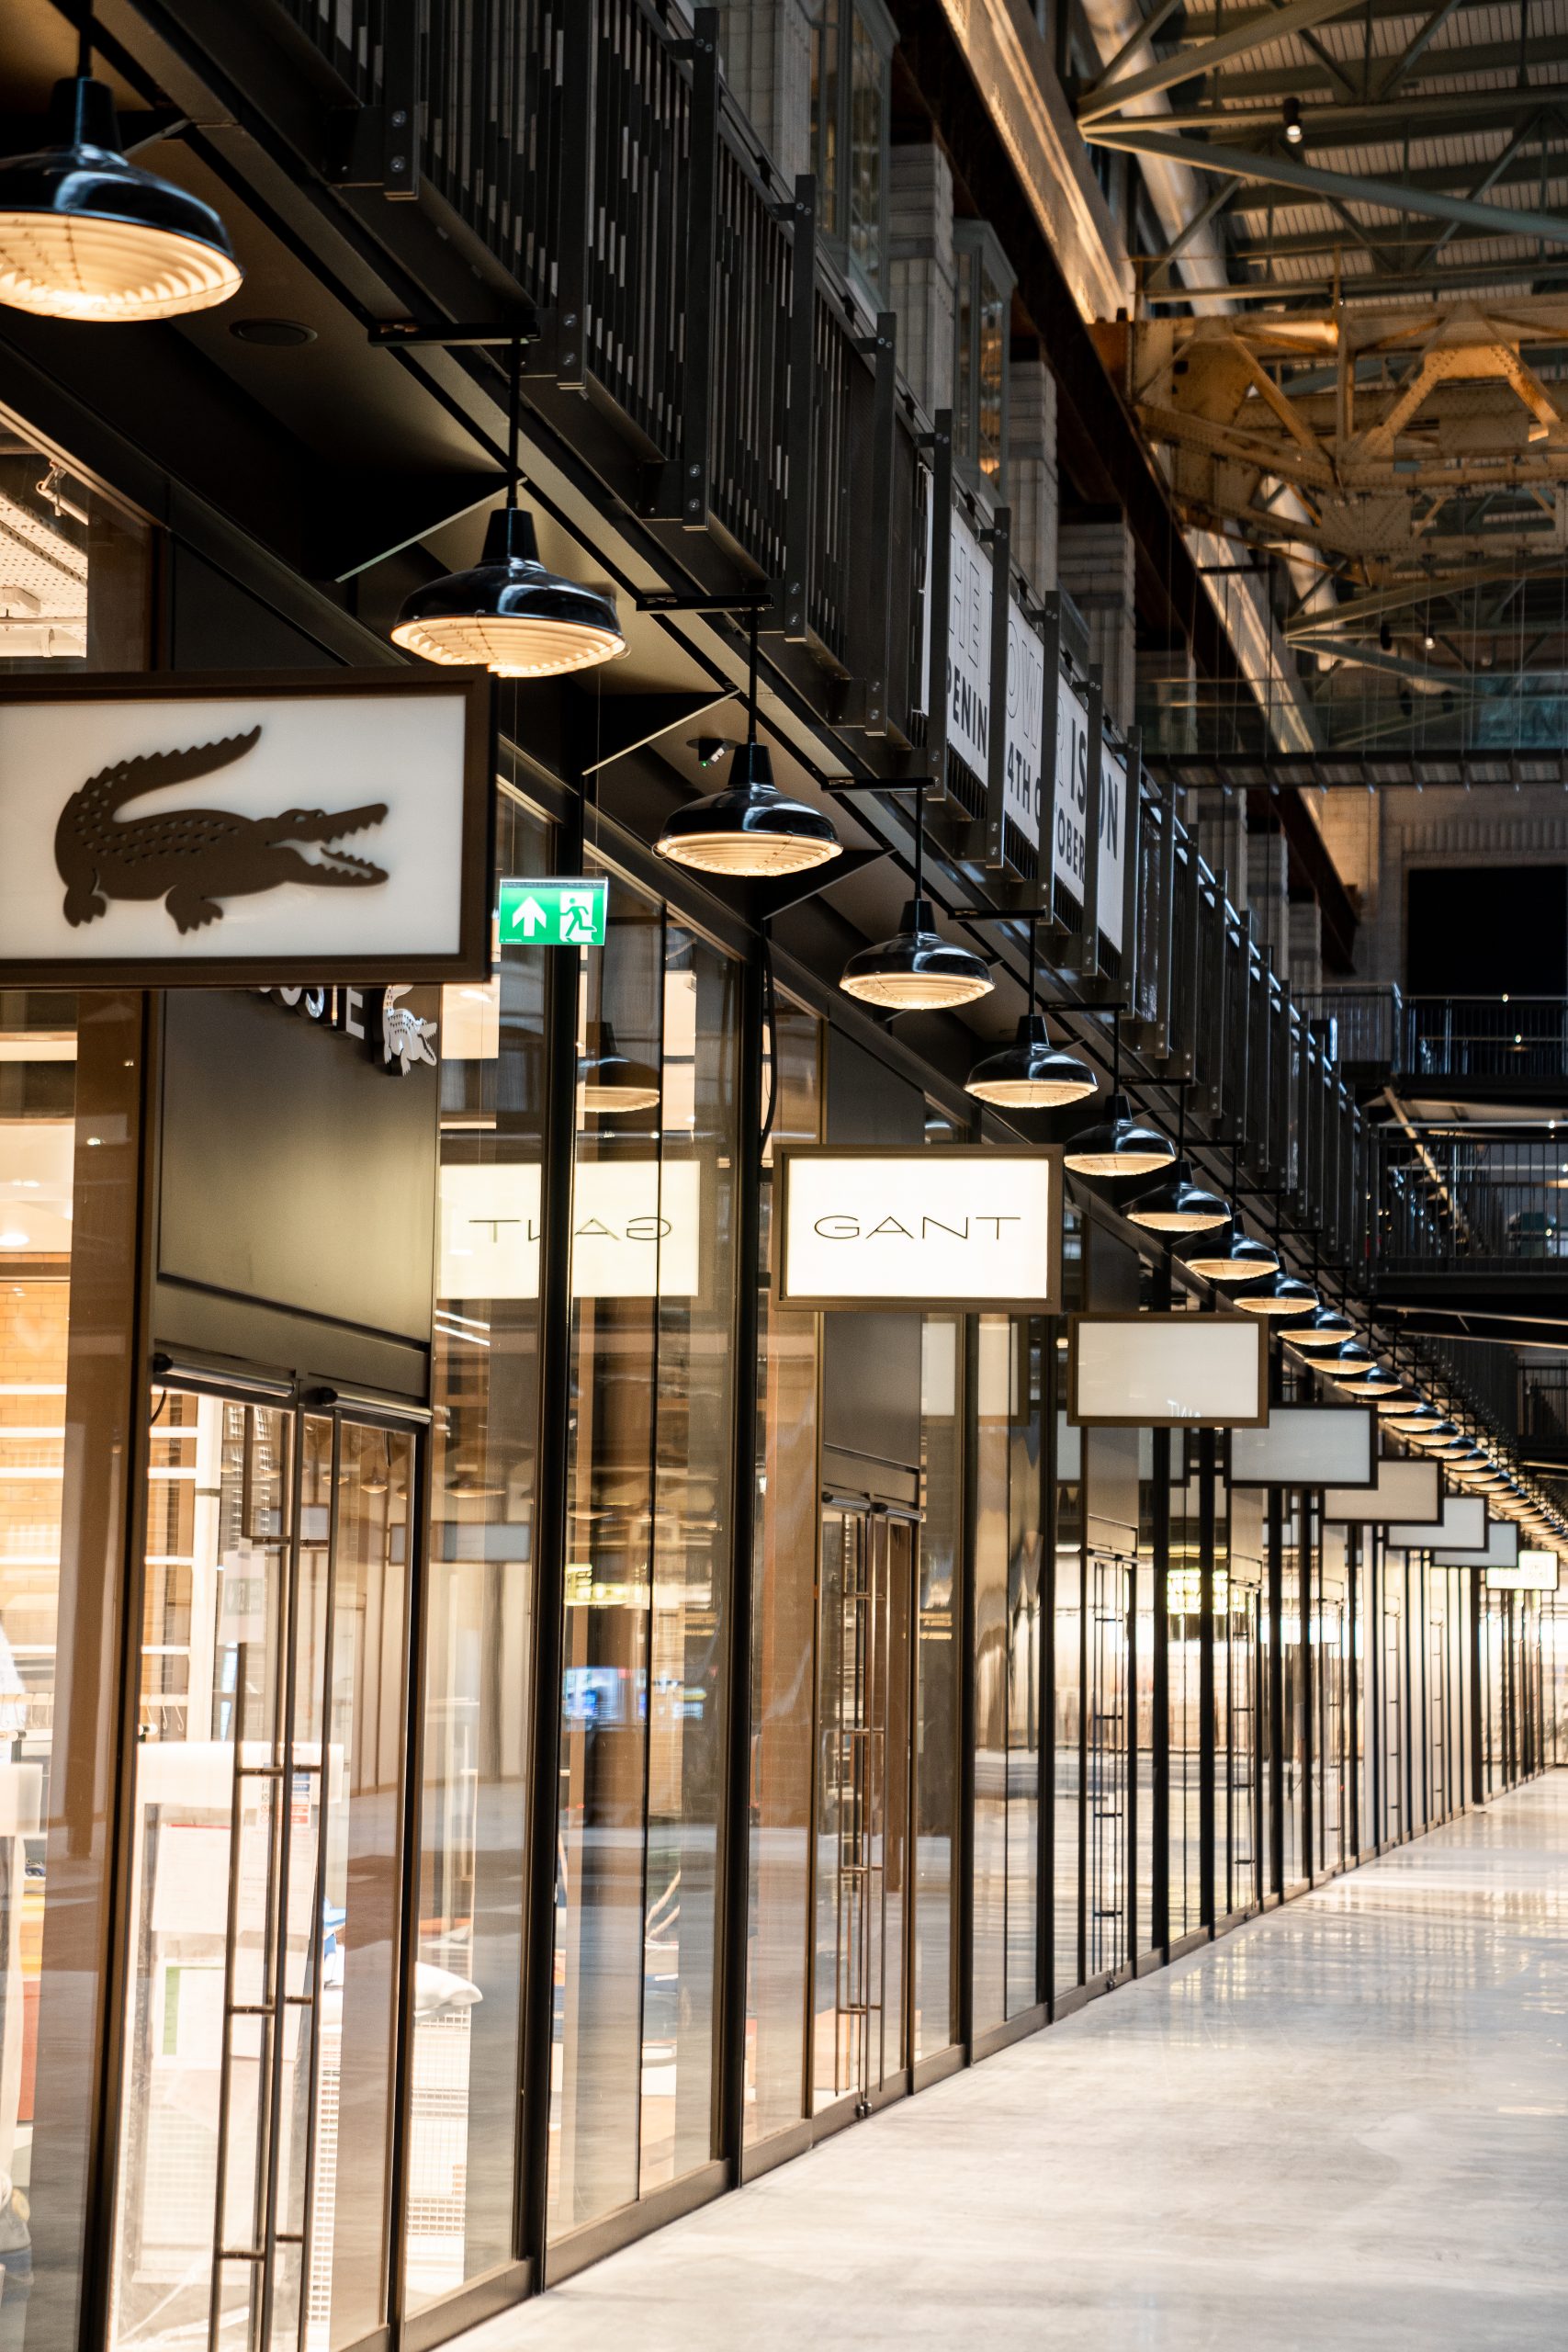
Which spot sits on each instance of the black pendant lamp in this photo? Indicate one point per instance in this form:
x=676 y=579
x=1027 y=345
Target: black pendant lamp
x=1414 y=1419
x=1351 y=1361
x=1231 y=1256
x=1120 y=1143
x=1329 y=1327
x=917 y=970
x=1031 y=1074
x=85 y=235
x=612 y=1083
x=1180 y=1205
x=751 y=830
x=1279 y=1295
x=507 y=613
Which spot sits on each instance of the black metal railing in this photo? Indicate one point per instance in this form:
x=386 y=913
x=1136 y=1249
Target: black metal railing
x=1469 y=1205
x=1471 y=1037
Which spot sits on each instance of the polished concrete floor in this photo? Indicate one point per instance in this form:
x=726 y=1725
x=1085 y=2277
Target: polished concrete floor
x=1346 y=2126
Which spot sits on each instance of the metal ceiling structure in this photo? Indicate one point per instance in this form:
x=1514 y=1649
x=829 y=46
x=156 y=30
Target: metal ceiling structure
x=1353 y=357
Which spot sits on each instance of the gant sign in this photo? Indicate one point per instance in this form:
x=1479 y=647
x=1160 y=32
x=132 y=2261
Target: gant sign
x=957 y=1228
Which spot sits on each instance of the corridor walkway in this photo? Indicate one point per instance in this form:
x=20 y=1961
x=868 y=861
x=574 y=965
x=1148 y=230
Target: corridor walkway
x=1345 y=2127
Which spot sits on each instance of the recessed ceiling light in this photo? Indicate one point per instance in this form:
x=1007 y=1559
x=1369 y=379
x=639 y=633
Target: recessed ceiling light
x=276 y=335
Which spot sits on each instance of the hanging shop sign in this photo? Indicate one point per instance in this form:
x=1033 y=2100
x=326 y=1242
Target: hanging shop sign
x=555 y=911
x=1165 y=1370
x=258 y=830
x=1532 y=1572
x=1502 y=1549
x=1308 y=1445
x=1409 y=1492
x=969 y=687
x=965 y=1227
x=635 y=1229
x=1070 y=848
x=1460 y=1526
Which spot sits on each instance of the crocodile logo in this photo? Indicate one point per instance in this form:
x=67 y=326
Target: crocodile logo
x=194 y=858
x=405 y=1038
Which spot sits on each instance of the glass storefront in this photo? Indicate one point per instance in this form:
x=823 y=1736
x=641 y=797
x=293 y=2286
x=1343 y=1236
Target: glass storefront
x=647 y=1566
x=784 y=1629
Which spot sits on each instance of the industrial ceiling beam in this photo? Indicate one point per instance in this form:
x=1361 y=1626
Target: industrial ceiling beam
x=1278 y=81
x=1310 y=179
x=1416 y=48
x=1376 y=121
x=1210 y=209
x=1258 y=32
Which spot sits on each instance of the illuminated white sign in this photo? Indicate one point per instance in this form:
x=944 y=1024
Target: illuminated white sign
x=1307 y=1445
x=635 y=1229
x=1157 y=1371
x=961 y=1226
x=161 y=832
x=1406 y=1491
x=1532 y=1572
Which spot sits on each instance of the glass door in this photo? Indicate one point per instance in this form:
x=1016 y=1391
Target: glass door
x=865 y=1765
x=266 y=1878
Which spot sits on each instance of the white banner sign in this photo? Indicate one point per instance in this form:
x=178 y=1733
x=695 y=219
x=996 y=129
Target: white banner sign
x=960 y=1228
x=161 y=833
x=969 y=682
x=1157 y=1371
x=1070 y=852
x=636 y=1230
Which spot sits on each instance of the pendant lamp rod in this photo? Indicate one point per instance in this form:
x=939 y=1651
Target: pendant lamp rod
x=753 y=623
x=515 y=426
x=84 y=44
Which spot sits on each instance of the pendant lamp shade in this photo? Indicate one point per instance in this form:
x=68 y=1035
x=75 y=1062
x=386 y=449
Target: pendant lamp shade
x=1414 y=1420
x=1441 y=1437
x=1351 y=1362
x=86 y=235
x=1031 y=1074
x=1178 y=1205
x=509 y=614
x=917 y=970
x=1329 y=1327
x=1282 y=1295
x=1233 y=1257
x=1118 y=1144
x=611 y=1082
x=752 y=830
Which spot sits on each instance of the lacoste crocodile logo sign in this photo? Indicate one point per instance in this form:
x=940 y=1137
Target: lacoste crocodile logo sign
x=195 y=858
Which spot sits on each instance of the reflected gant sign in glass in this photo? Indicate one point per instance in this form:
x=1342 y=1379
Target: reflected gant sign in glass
x=204 y=831
x=961 y=1227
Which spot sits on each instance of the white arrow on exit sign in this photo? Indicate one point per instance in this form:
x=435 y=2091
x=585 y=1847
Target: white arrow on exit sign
x=530 y=914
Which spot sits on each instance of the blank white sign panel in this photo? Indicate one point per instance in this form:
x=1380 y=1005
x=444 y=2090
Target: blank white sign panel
x=1159 y=1370
x=1461 y=1527
x=1502 y=1549
x=1531 y=1572
x=1407 y=1491
x=1308 y=1445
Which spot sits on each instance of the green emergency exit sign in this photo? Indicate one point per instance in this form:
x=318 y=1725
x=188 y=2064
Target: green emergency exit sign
x=554 y=912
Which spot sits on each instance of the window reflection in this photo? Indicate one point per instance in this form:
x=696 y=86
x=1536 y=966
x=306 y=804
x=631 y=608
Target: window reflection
x=936 y=1754
x=37 y=1075
x=647 y=1565
x=1008 y=1537
x=257 y=2121
x=783 y=1604
x=479 y=1620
